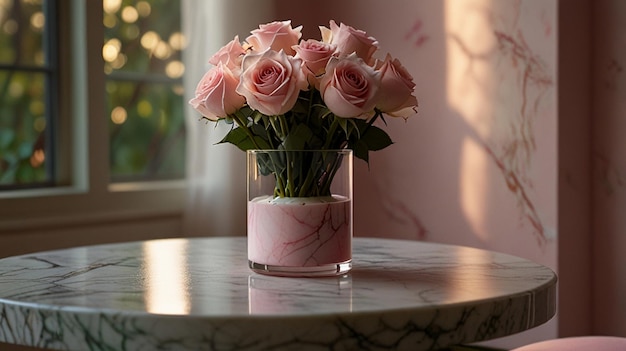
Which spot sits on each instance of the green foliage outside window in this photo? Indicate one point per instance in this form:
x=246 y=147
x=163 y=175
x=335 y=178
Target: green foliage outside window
x=23 y=109
x=142 y=53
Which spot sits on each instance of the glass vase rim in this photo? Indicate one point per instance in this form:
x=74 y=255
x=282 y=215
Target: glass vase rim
x=255 y=151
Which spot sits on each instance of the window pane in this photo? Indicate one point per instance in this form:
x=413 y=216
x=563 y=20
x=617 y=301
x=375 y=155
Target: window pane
x=146 y=140
x=142 y=54
x=22 y=128
x=21 y=28
x=26 y=93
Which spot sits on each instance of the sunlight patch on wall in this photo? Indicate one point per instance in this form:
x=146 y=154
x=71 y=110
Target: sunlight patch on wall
x=474 y=185
x=470 y=84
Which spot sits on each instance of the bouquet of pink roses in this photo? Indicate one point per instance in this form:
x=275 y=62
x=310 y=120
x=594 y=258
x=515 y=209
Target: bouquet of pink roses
x=284 y=93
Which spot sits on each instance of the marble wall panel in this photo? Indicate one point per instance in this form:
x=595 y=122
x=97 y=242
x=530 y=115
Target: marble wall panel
x=477 y=165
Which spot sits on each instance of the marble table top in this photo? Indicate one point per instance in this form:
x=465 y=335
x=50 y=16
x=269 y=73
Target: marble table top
x=198 y=294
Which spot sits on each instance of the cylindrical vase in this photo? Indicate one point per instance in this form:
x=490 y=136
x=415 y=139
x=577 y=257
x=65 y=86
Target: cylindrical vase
x=300 y=212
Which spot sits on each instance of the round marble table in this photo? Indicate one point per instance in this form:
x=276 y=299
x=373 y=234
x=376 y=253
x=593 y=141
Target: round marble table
x=198 y=294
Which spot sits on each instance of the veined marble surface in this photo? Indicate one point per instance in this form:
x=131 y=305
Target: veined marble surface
x=198 y=294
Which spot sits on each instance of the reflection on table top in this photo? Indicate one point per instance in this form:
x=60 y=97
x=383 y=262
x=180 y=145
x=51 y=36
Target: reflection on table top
x=198 y=294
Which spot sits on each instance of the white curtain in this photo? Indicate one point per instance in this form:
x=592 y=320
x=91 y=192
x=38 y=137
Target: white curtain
x=216 y=174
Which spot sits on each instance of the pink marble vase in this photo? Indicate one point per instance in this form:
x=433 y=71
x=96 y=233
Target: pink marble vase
x=300 y=219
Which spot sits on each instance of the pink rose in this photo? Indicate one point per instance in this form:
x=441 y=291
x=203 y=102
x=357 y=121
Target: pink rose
x=396 y=87
x=215 y=94
x=315 y=55
x=276 y=36
x=230 y=55
x=349 y=40
x=349 y=87
x=271 y=81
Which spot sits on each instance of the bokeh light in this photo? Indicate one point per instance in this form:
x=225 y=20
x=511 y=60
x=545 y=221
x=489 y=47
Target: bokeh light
x=175 y=69
x=111 y=49
x=119 y=115
x=38 y=21
x=144 y=8
x=150 y=40
x=119 y=61
x=39 y=124
x=178 y=89
x=111 y=6
x=37 y=107
x=177 y=41
x=144 y=108
x=16 y=89
x=162 y=50
x=130 y=14
x=10 y=27
x=109 y=20
x=131 y=31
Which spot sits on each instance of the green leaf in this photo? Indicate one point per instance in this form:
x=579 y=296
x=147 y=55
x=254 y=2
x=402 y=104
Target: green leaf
x=298 y=137
x=260 y=131
x=300 y=107
x=235 y=136
x=360 y=150
x=376 y=138
x=246 y=111
x=343 y=123
x=242 y=140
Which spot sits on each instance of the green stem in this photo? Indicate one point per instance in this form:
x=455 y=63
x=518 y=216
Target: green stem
x=274 y=127
x=310 y=109
x=283 y=126
x=242 y=123
x=334 y=167
x=279 y=190
x=290 y=181
x=331 y=132
x=307 y=183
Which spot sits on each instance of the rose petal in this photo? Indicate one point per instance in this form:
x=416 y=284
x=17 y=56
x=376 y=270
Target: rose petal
x=271 y=81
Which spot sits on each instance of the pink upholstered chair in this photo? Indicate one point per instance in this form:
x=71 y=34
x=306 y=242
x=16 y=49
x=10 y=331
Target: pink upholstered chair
x=582 y=343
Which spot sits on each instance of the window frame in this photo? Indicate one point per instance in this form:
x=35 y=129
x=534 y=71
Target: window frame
x=84 y=193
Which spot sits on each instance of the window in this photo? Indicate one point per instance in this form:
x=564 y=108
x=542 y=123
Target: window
x=99 y=175
x=141 y=59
